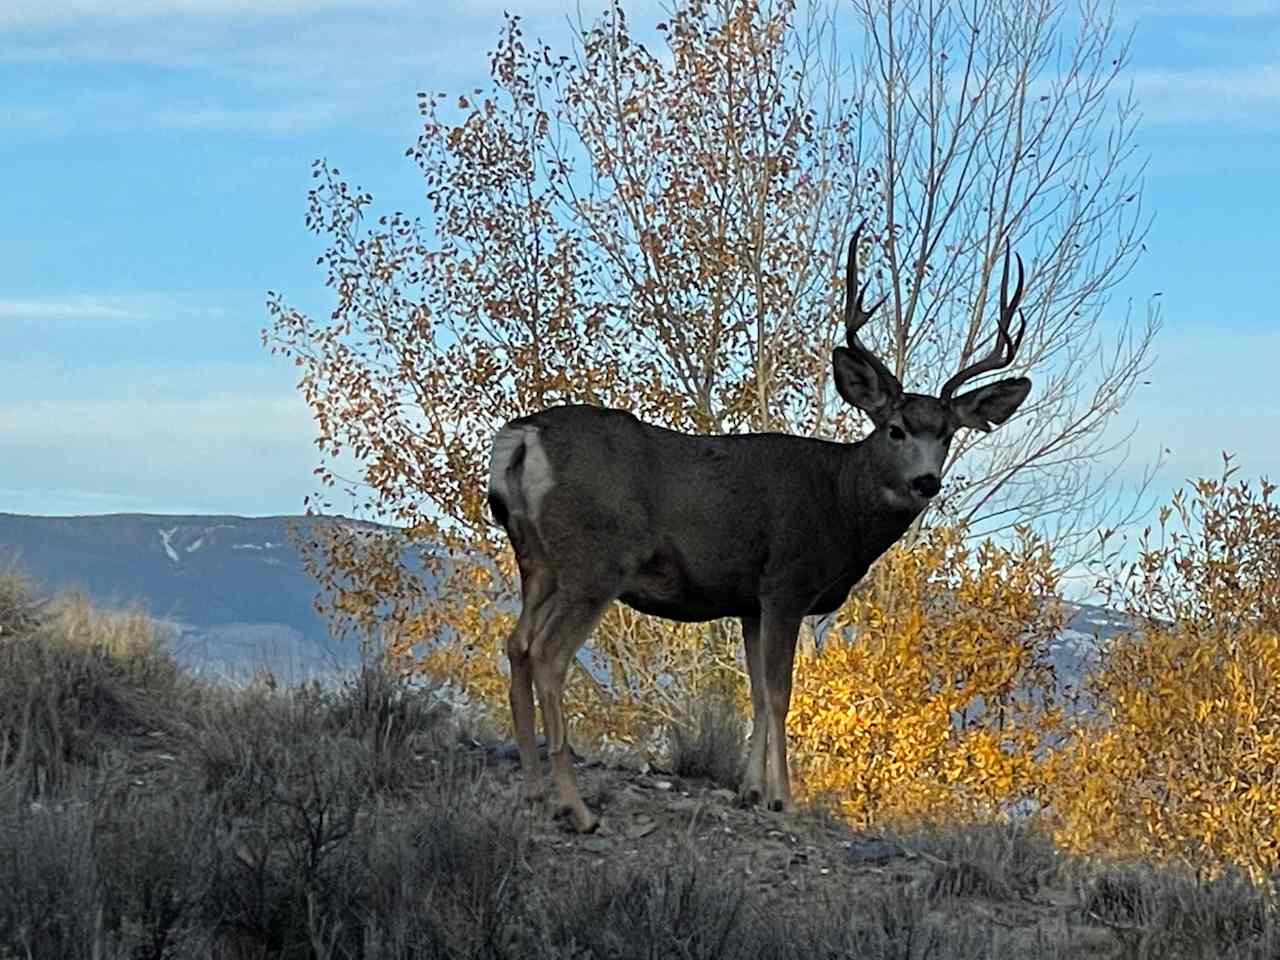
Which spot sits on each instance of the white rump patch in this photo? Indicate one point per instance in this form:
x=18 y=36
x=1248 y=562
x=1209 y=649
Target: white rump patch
x=505 y=445
x=538 y=478
x=536 y=475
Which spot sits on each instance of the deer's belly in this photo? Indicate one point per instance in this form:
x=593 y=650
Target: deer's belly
x=664 y=587
x=690 y=610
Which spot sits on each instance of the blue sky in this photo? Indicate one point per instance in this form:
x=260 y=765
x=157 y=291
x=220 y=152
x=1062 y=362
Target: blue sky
x=156 y=156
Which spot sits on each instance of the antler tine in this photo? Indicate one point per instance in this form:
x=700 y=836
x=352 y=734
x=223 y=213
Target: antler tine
x=856 y=313
x=1007 y=343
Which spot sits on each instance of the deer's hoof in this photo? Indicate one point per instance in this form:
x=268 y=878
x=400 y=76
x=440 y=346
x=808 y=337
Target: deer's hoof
x=534 y=794
x=584 y=821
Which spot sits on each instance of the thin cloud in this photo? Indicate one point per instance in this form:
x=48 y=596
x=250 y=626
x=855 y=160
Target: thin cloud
x=72 y=501
x=40 y=13
x=140 y=306
x=71 y=309
x=325 y=72
x=1249 y=95
x=142 y=450
x=315 y=66
x=1204 y=8
x=283 y=120
x=159 y=422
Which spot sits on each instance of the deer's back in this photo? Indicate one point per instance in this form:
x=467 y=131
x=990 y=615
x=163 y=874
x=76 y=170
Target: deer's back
x=695 y=525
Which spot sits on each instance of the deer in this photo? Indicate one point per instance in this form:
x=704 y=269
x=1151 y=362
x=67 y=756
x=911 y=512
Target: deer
x=766 y=527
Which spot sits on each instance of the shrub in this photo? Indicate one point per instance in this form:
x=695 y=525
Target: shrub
x=934 y=691
x=20 y=608
x=72 y=685
x=708 y=741
x=50 y=899
x=1181 y=758
x=664 y=910
x=1173 y=913
x=390 y=715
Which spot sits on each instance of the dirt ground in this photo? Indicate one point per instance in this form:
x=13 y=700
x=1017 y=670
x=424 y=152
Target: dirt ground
x=793 y=862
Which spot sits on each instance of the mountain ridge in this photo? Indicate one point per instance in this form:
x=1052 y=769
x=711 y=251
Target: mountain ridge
x=236 y=595
x=233 y=590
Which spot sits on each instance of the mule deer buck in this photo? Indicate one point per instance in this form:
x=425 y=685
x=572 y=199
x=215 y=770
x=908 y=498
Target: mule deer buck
x=765 y=527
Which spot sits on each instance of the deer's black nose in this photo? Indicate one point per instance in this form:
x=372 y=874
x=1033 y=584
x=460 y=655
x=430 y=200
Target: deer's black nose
x=927 y=484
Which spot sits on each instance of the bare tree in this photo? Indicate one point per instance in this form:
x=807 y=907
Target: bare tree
x=986 y=122
x=659 y=232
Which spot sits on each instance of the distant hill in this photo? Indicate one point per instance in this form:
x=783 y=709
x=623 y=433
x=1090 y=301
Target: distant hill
x=236 y=594
x=233 y=589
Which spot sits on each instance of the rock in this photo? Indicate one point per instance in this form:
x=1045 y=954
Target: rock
x=641 y=827
x=684 y=803
x=509 y=751
x=651 y=784
x=874 y=851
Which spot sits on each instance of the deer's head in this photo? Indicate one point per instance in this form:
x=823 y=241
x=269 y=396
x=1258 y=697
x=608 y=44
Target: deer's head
x=913 y=431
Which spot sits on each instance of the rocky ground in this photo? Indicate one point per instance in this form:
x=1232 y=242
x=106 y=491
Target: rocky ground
x=1001 y=883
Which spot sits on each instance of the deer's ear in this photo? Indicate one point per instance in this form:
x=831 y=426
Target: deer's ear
x=993 y=403
x=862 y=386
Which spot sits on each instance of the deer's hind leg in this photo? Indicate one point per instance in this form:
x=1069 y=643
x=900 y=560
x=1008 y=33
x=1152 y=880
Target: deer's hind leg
x=562 y=603
x=537 y=584
x=568 y=623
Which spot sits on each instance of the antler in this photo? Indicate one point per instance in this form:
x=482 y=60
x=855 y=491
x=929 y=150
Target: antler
x=1007 y=344
x=855 y=314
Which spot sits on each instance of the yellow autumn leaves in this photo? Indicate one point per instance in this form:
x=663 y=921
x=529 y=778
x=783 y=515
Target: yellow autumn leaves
x=936 y=688
x=1179 y=757
x=1182 y=760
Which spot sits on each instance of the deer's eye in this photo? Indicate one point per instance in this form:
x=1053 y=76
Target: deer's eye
x=897 y=433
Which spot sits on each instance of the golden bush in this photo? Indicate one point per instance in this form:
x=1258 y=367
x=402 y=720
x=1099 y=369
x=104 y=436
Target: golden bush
x=1179 y=759
x=936 y=690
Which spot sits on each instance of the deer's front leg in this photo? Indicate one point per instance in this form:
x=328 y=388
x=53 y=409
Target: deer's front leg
x=752 y=790
x=778 y=639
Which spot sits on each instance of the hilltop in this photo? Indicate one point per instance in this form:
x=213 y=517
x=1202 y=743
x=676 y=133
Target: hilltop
x=166 y=816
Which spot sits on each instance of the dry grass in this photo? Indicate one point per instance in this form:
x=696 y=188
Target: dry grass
x=708 y=744
x=146 y=815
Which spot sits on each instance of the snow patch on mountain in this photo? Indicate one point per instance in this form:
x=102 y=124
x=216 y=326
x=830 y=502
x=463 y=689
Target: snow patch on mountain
x=166 y=537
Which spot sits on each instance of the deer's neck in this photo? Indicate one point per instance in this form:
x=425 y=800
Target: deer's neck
x=875 y=524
